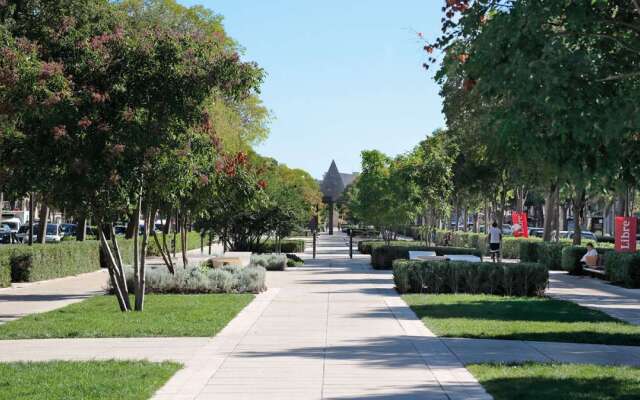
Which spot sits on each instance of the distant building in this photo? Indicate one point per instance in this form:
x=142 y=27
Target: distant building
x=332 y=186
x=334 y=182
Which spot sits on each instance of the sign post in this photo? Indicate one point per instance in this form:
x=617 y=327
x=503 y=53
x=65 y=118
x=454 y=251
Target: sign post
x=313 y=226
x=350 y=243
x=626 y=230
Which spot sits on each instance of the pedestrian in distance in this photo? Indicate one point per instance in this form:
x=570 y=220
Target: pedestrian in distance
x=495 y=242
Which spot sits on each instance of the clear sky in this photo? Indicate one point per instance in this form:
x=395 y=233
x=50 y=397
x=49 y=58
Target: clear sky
x=343 y=75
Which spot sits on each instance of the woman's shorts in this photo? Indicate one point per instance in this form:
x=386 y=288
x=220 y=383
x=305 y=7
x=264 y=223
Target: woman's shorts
x=494 y=247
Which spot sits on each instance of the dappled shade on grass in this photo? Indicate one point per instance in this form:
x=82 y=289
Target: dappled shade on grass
x=533 y=381
x=519 y=318
x=66 y=380
x=164 y=316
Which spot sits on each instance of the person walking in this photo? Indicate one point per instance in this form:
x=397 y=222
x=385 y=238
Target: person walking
x=495 y=242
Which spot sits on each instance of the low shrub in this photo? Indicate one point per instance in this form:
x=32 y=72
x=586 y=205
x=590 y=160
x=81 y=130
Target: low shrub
x=49 y=261
x=200 y=279
x=294 y=261
x=522 y=279
x=382 y=257
x=270 y=262
x=286 y=246
x=623 y=268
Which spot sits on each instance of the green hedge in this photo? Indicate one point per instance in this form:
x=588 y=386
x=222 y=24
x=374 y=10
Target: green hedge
x=49 y=261
x=367 y=246
x=5 y=269
x=382 y=257
x=286 y=246
x=522 y=279
x=623 y=268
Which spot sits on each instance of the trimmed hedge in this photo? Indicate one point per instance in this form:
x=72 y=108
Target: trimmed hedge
x=623 y=268
x=382 y=257
x=367 y=246
x=49 y=261
x=5 y=270
x=286 y=246
x=547 y=254
x=522 y=279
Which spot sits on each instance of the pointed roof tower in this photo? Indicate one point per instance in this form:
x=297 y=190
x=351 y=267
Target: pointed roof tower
x=332 y=184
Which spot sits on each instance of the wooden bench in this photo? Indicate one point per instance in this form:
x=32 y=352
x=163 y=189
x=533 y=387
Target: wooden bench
x=219 y=262
x=595 y=266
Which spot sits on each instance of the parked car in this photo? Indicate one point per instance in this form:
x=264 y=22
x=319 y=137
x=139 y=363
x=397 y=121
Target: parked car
x=23 y=233
x=68 y=229
x=54 y=233
x=586 y=235
x=536 y=232
x=5 y=234
x=506 y=229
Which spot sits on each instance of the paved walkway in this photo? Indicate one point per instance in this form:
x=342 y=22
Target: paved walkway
x=29 y=298
x=589 y=292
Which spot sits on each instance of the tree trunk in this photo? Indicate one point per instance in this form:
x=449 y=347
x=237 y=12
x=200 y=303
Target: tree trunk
x=183 y=238
x=500 y=208
x=81 y=229
x=549 y=204
x=42 y=225
x=31 y=212
x=140 y=289
x=116 y=276
x=136 y=251
x=131 y=226
x=578 y=206
x=556 y=214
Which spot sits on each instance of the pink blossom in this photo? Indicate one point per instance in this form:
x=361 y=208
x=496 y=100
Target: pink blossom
x=50 y=69
x=118 y=149
x=52 y=100
x=85 y=122
x=59 y=132
x=97 y=97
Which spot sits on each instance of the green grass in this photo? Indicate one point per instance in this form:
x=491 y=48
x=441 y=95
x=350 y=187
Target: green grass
x=533 y=381
x=519 y=318
x=164 y=315
x=104 y=380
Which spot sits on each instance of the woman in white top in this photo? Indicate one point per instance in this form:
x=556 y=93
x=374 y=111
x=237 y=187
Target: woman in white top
x=591 y=252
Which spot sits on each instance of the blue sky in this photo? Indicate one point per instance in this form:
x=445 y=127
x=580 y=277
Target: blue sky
x=343 y=75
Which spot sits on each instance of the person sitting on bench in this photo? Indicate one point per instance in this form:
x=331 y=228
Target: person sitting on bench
x=591 y=256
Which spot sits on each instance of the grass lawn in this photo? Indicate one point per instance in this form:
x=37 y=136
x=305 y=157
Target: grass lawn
x=558 y=381
x=519 y=318
x=163 y=315
x=103 y=380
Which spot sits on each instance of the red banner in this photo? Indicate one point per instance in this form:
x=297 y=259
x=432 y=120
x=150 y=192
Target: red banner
x=626 y=230
x=520 y=225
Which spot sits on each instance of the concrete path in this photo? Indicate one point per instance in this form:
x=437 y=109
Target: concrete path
x=334 y=329
x=589 y=292
x=29 y=298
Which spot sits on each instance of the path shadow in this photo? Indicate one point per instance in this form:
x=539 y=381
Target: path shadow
x=43 y=297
